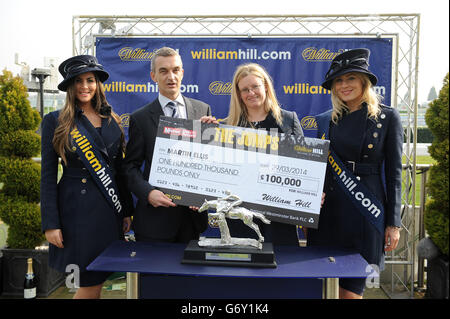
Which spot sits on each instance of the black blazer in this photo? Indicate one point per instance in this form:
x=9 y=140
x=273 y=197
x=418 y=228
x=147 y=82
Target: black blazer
x=160 y=222
x=290 y=123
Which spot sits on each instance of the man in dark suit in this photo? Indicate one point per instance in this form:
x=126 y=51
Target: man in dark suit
x=156 y=217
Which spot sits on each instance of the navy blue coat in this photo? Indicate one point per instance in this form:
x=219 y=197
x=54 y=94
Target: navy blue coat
x=363 y=140
x=75 y=204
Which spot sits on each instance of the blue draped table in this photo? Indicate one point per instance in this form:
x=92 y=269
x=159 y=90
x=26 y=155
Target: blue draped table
x=302 y=272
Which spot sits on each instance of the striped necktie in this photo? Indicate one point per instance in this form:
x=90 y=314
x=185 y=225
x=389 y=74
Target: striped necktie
x=173 y=108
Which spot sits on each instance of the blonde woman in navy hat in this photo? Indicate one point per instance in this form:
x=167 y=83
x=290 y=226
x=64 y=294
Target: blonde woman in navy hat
x=363 y=197
x=88 y=208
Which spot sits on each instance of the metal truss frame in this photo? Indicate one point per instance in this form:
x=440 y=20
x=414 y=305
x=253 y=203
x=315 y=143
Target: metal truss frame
x=404 y=28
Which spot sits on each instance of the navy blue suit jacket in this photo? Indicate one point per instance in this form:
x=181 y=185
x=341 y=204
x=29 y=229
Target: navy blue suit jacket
x=158 y=223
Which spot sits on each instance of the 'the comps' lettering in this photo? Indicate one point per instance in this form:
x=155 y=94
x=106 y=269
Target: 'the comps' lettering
x=246 y=138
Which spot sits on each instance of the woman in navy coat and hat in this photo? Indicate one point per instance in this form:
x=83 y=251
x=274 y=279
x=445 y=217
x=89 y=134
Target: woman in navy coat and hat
x=89 y=207
x=363 y=180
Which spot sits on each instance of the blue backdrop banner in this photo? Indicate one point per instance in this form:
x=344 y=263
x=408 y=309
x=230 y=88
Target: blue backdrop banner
x=297 y=66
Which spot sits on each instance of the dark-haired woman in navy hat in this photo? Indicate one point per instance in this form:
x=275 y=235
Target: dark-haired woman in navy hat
x=363 y=180
x=89 y=207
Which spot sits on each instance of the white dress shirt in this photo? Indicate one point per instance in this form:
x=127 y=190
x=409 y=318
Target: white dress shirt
x=179 y=102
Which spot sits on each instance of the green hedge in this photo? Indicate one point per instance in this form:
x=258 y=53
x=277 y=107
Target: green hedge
x=19 y=175
x=22 y=143
x=22 y=178
x=24 y=220
x=437 y=208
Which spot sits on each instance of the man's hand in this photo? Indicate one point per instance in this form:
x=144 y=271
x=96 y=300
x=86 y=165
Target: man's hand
x=209 y=119
x=157 y=198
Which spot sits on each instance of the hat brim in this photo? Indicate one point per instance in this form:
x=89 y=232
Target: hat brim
x=328 y=83
x=102 y=76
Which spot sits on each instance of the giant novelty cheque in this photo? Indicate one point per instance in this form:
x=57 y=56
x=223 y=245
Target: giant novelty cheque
x=278 y=175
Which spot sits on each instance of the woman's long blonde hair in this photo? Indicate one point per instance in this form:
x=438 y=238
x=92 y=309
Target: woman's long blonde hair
x=238 y=113
x=369 y=96
x=66 y=119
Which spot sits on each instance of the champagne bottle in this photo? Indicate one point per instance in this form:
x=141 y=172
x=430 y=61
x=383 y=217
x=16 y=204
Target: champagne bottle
x=29 y=286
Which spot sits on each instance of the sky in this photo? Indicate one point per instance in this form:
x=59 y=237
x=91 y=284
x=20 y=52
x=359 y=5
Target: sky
x=38 y=29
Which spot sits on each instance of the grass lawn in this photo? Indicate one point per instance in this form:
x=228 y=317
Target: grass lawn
x=425 y=159
x=422 y=159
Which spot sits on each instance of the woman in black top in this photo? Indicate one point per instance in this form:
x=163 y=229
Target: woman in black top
x=254 y=104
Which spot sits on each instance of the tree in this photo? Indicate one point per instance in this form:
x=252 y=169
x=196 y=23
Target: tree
x=436 y=210
x=20 y=176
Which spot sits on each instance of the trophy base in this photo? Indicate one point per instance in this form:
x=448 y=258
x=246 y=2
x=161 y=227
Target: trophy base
x=234 y=242
x=242 y=256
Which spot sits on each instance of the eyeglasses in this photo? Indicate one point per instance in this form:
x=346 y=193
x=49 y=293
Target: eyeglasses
x=253 y=88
